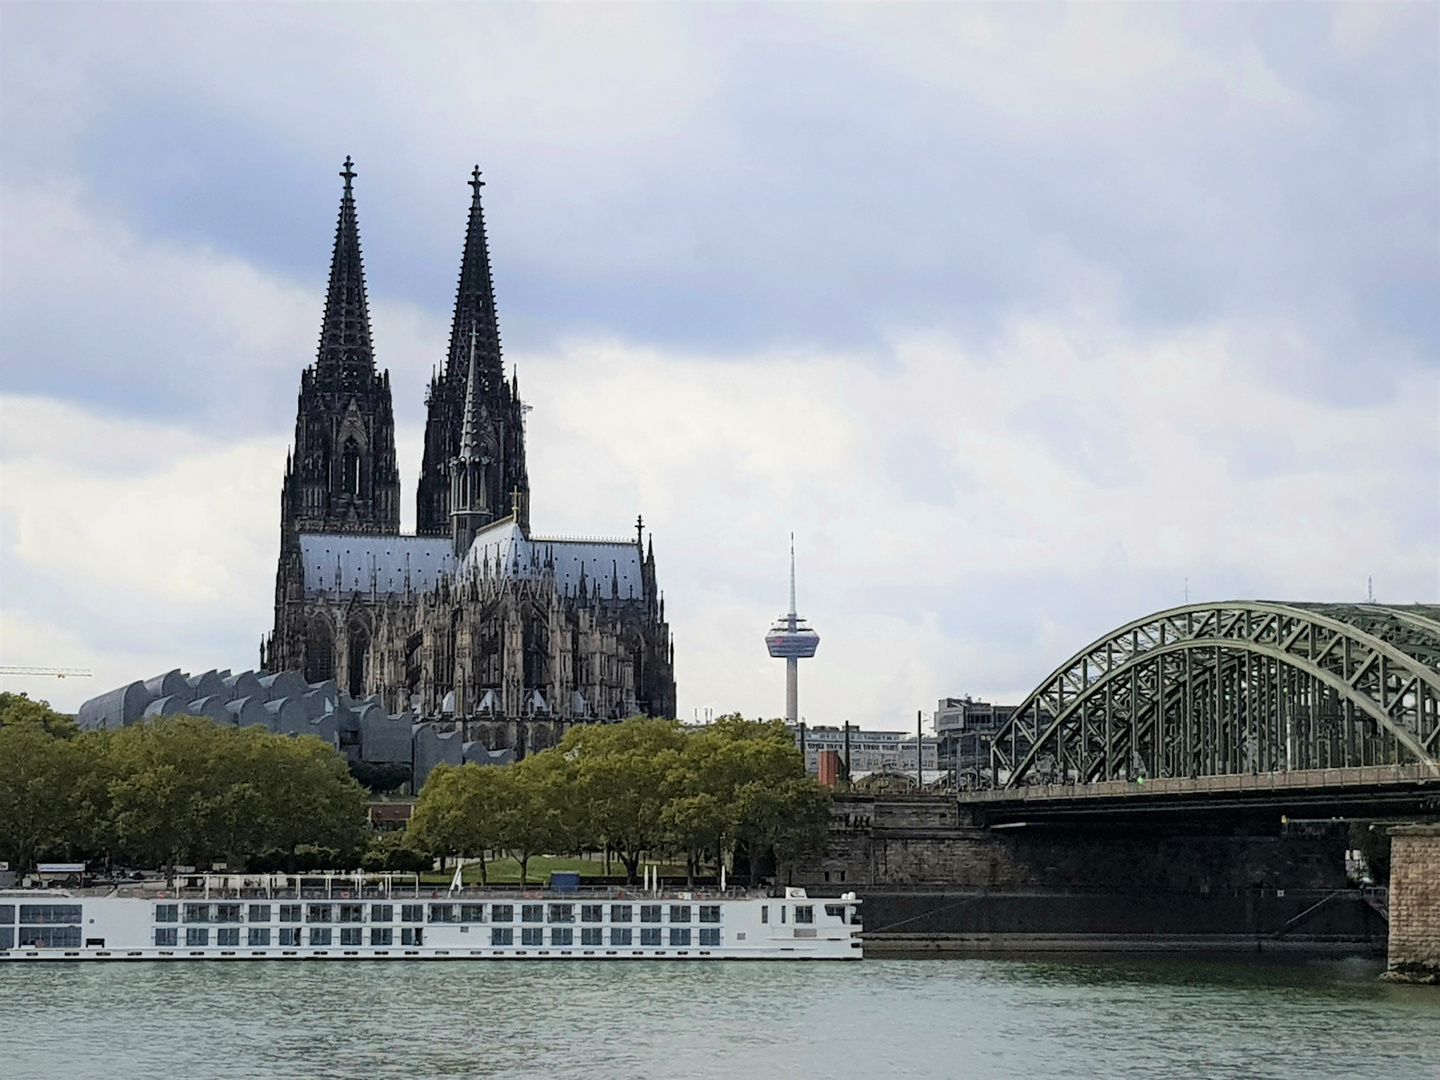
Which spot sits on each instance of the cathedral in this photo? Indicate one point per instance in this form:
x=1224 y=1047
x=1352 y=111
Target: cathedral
x=474 y=617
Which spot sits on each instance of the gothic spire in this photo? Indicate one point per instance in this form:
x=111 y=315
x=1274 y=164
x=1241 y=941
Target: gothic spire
x=469 y=437
x=345 y=355
x=475 y=298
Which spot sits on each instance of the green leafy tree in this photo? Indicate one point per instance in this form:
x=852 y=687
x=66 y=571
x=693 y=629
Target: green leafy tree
x=53 y=798
x=188 y=789
x=623 y=776
x=539 y=814
x=19 y=710
x=461 y=811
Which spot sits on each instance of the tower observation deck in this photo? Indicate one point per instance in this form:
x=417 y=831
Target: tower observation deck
x=789 y=639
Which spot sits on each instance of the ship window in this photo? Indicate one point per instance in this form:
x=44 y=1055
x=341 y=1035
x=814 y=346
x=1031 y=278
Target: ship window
x=7 y=913
x=259 y=936
x=409 y=936
x=442 y=912
x=710 y=937
x=319 y=913
x=709 y=912
x=764 y=913
x=50 y=937
x=167 y=912
x=835 y=911
x=289 y=936
x=49 y=914
x=382 y=936
x=502 y=935
x=532 y=912
x=412 y=912
x=804 y=913
x=650 y=936
x=679 y=935
x=502 y=912
x=289 y=913
x=259 y=912
x=351 y=935
x=320 y=935
x=228 y=936
x=679 y=912
x=592 y=913
x=649 y=912
x=559 y=936
x=352 y=913
x=472 y=912
x=382 y=912
x=532 y=935
x=592 y=935
x=782 y=913
x=165 y=937
x=227 y=912
x=562 y=913
x=620 y=913
x=197 y=912
x=620 y=936
x=196 y=935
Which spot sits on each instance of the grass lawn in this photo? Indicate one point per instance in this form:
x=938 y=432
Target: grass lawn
x=507 y=871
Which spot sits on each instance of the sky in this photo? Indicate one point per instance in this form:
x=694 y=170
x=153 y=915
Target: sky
x=1026 y=320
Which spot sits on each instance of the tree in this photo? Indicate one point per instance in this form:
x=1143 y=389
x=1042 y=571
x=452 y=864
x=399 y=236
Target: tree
x=19 y=710
x=539 y=813
x=189 y=789
x=622 y=775
x=53 y=798
x=460 y=811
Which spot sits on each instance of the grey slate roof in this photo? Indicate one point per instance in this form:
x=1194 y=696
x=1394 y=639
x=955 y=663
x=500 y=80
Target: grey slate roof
x=357 y=560
x=503 y=550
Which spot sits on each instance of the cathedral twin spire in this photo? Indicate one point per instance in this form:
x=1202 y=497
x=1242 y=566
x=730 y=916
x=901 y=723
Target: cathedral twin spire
x=346 y=357
x=471 y=408
x=342 y=475
x=474 y=325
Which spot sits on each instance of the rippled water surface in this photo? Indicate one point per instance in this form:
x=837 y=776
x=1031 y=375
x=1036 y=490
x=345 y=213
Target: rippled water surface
x=875 y=1019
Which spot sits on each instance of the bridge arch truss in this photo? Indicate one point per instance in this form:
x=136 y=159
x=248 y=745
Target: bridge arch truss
x=1234 y=688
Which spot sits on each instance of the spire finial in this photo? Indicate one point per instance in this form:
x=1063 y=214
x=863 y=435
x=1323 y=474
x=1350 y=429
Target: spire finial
x=475 y=181
x=348 y=172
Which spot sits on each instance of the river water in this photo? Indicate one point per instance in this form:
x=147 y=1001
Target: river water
x=876 y=1019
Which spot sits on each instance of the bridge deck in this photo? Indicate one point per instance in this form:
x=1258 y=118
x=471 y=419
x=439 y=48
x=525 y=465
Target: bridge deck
x=1340 y=789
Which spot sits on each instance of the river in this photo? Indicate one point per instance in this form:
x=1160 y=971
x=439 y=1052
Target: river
x=877 y=1019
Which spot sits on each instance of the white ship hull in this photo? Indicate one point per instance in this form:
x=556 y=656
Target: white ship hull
x=84 y=925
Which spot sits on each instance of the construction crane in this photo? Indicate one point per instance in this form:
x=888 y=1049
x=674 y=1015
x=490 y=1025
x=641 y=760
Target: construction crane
x=58 y=672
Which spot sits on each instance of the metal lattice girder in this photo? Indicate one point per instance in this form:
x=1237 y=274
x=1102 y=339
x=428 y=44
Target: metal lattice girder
x=1243 y=687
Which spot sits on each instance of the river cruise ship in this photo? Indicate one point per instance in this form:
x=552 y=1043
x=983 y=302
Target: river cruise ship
x=385 y=917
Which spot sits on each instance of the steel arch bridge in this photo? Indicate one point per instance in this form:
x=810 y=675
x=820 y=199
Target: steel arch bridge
x=1236 y=688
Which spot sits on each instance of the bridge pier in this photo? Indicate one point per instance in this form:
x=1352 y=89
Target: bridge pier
x=1414 y=949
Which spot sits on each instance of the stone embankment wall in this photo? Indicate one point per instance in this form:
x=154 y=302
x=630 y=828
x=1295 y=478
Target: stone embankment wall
x=1414 y=953
x=929 y=841
x=932 y=880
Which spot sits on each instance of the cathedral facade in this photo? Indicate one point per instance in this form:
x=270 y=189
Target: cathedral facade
x=474 y=617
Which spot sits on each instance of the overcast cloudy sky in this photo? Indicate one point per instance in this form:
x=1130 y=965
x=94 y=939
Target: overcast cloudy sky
x=1020 y=317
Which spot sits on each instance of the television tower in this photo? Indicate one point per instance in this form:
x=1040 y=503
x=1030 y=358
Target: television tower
x=792 y=641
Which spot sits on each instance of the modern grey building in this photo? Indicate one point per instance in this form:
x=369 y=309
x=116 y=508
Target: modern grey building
x=964 y=728
x=285 y=703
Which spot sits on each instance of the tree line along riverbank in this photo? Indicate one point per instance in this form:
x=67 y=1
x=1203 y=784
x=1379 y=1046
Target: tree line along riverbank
x=186 y=790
